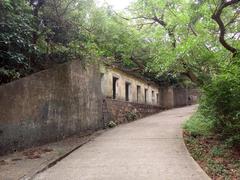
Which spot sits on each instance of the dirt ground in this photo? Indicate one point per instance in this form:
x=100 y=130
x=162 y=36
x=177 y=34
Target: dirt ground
x=24 y=164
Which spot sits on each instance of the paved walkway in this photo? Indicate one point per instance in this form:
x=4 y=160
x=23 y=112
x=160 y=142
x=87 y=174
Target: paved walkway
x=148 y=149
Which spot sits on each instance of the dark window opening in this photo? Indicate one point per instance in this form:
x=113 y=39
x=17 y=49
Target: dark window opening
x=138 y=93
x=127 y=91
x=157 y=98
x=145 y=95
x=114 y=87
x=153 y=96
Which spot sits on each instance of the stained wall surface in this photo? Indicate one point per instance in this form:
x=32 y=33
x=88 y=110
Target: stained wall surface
x=122 y=111
x=137 y=87
x=167 y=97
x=50 y=105
x=70 y=99
x=180 y=96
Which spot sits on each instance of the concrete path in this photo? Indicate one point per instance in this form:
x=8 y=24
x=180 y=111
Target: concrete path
x=148 y=149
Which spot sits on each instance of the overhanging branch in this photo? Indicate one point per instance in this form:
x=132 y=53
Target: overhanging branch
x=222 y=28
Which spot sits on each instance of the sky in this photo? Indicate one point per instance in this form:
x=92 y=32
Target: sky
x=116 y=4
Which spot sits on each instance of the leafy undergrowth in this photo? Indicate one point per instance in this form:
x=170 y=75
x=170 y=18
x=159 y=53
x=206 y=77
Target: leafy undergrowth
x=216 y=158
x=219 y=158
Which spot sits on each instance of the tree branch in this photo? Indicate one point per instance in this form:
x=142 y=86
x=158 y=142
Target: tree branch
x=139 y=64
x=191 y=76
x=195 y=34
x=222 y=28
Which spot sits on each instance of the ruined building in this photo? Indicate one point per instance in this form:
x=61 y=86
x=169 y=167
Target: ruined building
x=70 y=99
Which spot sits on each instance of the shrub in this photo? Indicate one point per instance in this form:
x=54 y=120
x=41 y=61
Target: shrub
x=221 y=102
x=131 y=116
x=217 y=151
x=198 y=125
x=111 y=124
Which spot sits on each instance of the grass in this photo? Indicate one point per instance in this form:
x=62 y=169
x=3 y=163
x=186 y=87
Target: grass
x=216 y=158
x=198 y=125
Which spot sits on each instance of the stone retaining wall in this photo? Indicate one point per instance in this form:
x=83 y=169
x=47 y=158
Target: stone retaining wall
x=122 y=111
x=49 y=106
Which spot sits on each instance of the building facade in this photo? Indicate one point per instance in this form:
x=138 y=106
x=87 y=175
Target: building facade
x=119 y=85
x=71 y=99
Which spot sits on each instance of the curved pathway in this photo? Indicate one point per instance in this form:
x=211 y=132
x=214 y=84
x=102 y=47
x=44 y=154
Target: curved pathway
x=148 y=149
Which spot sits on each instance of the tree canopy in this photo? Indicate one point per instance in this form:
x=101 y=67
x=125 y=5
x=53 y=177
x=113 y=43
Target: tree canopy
x=171 y=41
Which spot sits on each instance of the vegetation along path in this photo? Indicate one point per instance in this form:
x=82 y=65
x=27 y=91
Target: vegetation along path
x=151 y=148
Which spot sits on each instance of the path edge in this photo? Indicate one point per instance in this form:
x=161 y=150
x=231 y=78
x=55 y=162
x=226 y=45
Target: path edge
x=190 y=155
x=32 y=175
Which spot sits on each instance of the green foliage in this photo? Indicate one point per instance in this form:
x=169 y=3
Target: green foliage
x=219 y=107
x=221 y=102
x=217 y=151
x=216 y=168
x=198 y=125
x=131 y=116
x=111 y=124
x=195 y=148
x=6 y=75
x=16 y=46
x=218 y=160
x=33 y=38
x=180 y=38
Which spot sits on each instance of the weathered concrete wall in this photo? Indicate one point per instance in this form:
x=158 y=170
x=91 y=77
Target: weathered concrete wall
x=193 y=96
x=152 y=90
x=121 y=111
x=180 y=96
x=172 y=97
x=67 y=100
x=50 y=105
x=167 y=97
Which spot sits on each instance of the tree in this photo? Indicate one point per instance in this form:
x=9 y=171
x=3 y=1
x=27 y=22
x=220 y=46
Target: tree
x=222 y=27
x=35 y=34
x=182 y=37
x=170 y=23
x=16 y=45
